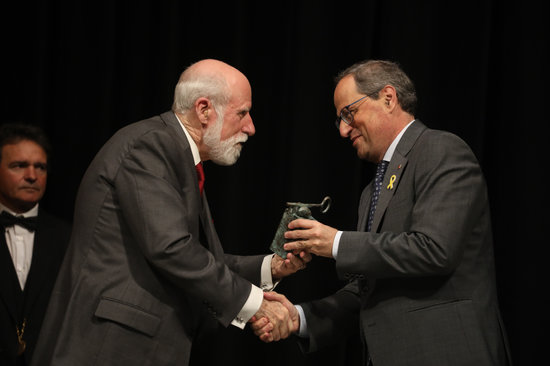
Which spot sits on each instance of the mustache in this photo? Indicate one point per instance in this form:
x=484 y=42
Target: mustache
x=241 y=138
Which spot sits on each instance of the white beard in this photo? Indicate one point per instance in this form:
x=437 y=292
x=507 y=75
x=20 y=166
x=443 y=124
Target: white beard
x=224 y=152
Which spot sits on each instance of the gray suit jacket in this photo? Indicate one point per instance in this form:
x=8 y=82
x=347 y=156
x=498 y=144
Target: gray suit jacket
x=138 y=284
x=422 y=282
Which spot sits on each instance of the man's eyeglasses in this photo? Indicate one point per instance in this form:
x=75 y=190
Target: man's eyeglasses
x=346 y=114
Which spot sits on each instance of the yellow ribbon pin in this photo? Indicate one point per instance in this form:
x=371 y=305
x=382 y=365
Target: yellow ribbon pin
x=392 y=179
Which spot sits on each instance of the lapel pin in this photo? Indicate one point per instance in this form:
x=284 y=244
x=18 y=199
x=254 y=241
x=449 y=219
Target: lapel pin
x=392 y=179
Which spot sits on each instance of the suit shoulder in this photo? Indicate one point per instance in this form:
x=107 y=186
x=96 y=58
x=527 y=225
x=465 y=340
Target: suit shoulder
x=433 y=135
x=441 y=150
x=157 y=132
x=156 y=138
x=136 y=130
x=441 y=142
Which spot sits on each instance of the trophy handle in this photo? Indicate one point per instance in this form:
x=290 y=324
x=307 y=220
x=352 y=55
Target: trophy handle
x=324 y=205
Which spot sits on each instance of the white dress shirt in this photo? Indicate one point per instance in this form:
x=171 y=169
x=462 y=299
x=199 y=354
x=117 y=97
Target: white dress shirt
x=20 y=243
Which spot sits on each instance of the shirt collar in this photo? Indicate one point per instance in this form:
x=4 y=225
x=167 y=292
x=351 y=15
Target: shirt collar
x=389 y=153
x=30 y=213
x=194 y=148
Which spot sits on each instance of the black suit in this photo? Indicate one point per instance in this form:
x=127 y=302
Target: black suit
x=50 y=240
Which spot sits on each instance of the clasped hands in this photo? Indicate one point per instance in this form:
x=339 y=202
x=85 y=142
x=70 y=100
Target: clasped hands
x=278 y=317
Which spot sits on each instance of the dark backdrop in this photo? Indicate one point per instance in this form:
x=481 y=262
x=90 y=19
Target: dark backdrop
x=83 y=69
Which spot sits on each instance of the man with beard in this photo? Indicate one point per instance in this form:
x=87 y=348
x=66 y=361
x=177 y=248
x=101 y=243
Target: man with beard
x=145 y=272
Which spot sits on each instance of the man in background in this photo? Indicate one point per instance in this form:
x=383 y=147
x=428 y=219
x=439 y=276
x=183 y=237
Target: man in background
x=32 y=243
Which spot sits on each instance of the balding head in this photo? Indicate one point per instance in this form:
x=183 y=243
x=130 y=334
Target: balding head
x=212 y=68
x=213 y=100
x=208 y=78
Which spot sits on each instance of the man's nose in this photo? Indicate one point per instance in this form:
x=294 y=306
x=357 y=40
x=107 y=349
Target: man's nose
x=248 y=126
x=30 y=174
x=344 y=129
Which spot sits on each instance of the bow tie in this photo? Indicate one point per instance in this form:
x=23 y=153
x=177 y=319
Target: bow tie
x=7 y=220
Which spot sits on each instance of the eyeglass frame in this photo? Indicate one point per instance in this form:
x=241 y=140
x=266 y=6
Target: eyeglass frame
x=340 y=118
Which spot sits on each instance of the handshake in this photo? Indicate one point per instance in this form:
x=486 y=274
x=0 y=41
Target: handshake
x=277 y=318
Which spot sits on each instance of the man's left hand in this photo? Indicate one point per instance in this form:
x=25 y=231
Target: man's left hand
x=310 y=236
x=294 y=262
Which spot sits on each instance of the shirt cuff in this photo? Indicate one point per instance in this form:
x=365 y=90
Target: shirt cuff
x=302 y=332
x=251 y=307
x=335 y=244
x=266 y=280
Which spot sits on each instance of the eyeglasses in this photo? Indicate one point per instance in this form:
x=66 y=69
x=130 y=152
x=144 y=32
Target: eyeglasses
x=346 y=114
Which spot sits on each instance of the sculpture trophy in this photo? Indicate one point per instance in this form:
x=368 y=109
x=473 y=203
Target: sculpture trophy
x=294 y=210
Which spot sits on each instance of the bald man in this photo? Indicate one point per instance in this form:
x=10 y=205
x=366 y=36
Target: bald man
x=145 y=272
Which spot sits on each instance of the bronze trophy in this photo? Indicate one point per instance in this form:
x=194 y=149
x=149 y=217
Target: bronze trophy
x=294 y=210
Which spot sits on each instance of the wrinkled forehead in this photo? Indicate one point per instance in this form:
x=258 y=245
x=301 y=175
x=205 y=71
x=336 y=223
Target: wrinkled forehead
x=241 y=92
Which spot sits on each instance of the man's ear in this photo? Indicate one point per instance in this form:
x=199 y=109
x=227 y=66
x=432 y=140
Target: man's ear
x=202 y=109
x=389 y=97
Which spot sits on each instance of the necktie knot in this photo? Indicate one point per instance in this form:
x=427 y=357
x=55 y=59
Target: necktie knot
x=200 y=176
x=7 y=220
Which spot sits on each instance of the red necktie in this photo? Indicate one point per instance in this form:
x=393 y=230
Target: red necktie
x=200 y=175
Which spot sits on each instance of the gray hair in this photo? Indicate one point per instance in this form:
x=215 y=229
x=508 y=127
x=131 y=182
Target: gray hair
x=373 y=75
x=192 y=86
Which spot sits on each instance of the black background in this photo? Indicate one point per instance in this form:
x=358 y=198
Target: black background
x=83 y=69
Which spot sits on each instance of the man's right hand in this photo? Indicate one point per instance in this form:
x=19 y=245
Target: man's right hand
x=278 y=319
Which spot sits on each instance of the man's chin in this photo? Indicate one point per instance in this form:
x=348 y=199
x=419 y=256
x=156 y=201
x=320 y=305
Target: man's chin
x=24 y=204
x=227 y=160
x=362 y=155
x=226 y=155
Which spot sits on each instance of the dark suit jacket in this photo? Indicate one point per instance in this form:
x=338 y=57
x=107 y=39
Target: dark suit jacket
x=423 y=280
x=137 y=284
x=50 y=240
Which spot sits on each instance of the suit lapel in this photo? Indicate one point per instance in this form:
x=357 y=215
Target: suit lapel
x=171 y=120
x=187 y=159
x=207 y=223
x=395 y=171
x=43 y=256
x=389 y=187
x=9 y=283
x=212 y=241
x=364 y=205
